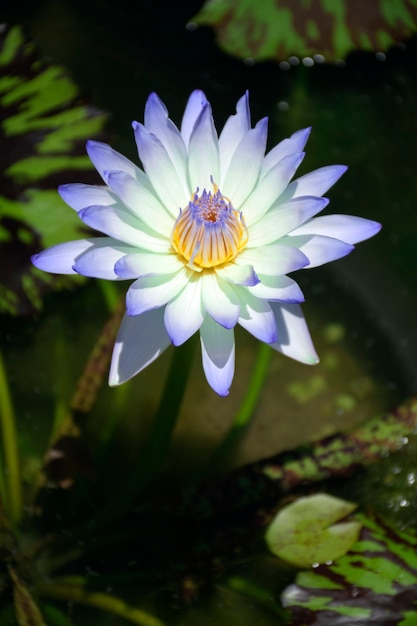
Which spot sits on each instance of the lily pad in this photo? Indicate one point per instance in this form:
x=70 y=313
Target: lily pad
x=278 y=29
x=375 y=583
x=44 y=125
x=304 y=533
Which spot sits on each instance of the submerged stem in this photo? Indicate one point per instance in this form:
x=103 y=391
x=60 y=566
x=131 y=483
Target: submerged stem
x=12 y=484
x=245 y=412
x=73 y=591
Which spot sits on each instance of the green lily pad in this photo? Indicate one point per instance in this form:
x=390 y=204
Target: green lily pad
x=304 y=533
x=43 y=129
x=375 y=583
x=278 y=29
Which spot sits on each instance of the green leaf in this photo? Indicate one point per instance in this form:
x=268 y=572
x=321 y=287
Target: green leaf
x=278 y=29
x=43 y=131
x=303 y=532
x=375 y=583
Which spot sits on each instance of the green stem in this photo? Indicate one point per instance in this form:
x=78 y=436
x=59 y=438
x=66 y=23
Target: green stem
x=70 y=590
x=245 y=412
x=13 y=488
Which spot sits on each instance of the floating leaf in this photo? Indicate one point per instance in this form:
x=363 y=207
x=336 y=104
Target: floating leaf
x=375 y=583
x=277 y=29
x=304 y=532
x=43 y=129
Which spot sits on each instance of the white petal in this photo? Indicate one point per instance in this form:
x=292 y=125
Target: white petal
x=99 y=260
x=79 y=196
x=278 y=289
x=203 y=152
x=194 y=106
x=274 y=260
x=184 y=315
x=220 y=300
x=152 y=292
x=141 y=339
x=283 y=218
x=142 y=202
x=238 y=274
x=268 y=190
x=243 y=172
x=315 y=183
x=233 y=132
x=170 y=185
x=218 y=354
x=347 y=228
x=290 y=146
x=318 y=249
x=256 y=317
x=60 y=259
x=105 y=158
x=158 y=123
x=146 y=264
x=124 y=226
x=293 y=336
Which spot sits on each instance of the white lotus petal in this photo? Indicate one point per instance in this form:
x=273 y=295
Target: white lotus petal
x=99 y=260
x=171 y=187
x=347 y=228
x=203 y=152
x=315 y=183
x=142 y=202
x=184 y=315
x=220 y=300
x=146 y=264
x=278 y=289
x=218 y=355
x=267 y=192
x=318 y=249
x=238 y=274
x=243 y=172
x=79 y=196
x=273 y=260
x=283 y=219
x=158 y=123
x=105 y=158
x=233 y=132
x=141 y=340
x=256 y=317
x=60 y=259
x=124 y=226
x=194 y=106
x=293 y=335
x=151 y=292
x=293 y=145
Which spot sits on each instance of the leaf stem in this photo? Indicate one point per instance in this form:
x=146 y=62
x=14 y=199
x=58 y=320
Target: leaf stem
x=12 y=484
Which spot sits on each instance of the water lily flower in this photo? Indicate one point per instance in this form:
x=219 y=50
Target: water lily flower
x=208 y=231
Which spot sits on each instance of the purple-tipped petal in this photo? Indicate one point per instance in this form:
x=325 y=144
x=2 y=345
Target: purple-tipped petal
x=320 y=250
x=347 y=228
x=285 y=148
x=194 y=106
x=152 y=292
x=105 y=158
x=158 y=123
x=293 y=335
x=184 y=315
x=140 y=341
x=238 y=274
x=99 y=260
x=79 y=196
x=220 y=300
x=233 y=132
x=146 y=264
x=203 y=152
x=278 y=289
x=315 y=183
x=257 y=318
x=243 y=172
x=60 y=259
x=218 y=355
x=273 y=260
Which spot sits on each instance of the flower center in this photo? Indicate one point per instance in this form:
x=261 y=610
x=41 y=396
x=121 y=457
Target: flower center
x=209 y=231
